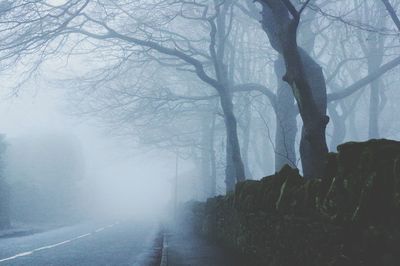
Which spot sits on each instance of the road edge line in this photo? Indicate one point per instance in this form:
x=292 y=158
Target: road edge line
x=164 y=253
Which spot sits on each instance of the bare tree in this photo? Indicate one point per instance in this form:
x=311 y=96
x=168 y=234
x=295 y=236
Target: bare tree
x=280 y=20
x=38 y=24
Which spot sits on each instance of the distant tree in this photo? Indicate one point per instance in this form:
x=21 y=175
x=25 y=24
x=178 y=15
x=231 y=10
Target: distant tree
x=362 y=50
x=43 y=28
x=281 y=21
x=218 y=53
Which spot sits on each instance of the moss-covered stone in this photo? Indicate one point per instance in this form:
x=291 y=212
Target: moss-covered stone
x=350 y=217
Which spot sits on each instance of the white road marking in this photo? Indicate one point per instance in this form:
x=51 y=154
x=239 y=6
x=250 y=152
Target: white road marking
x=27 y=253
x=85 y=235
x=99 y=230
x=17 y=256
x=52 y=246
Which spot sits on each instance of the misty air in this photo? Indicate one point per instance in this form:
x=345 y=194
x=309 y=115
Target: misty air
x=200 y=132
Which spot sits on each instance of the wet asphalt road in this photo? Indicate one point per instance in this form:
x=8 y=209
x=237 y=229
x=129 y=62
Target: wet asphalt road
x=113 y=243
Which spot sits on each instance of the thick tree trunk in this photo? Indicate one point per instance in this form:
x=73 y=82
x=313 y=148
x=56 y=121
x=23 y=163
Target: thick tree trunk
x=234 y=171
x=374 y=99
x=374 y=54
x=213 y=163
x=306 y=79
x=246 y=136
x=373 y=129
x=208 y=173
x=286 y=124
x=373 y=46
x=313 y=147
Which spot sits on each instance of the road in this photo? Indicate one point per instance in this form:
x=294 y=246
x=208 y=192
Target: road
x=116 y=243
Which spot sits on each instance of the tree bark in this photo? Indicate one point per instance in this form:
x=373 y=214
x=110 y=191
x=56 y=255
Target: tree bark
x=208 y=173
x=213 y=162
x=373 y=129
x=313 y=147
x=306 y=79
x=246 y=124
x=234 y=170
x=374 y=61
x=373 y=47
x=286 y=124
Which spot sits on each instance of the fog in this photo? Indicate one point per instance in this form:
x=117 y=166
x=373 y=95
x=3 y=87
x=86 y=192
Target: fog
x=114 y=110
x=111 y=176
x=145 y=122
